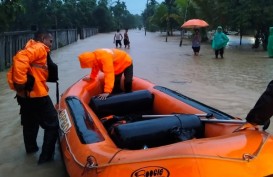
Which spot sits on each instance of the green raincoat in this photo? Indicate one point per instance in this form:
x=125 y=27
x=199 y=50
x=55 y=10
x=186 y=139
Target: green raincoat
x=220 y=40
x=270 y=43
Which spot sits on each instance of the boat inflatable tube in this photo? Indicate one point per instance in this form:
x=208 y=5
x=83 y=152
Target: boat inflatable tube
x=137 y=102
x=156 y=132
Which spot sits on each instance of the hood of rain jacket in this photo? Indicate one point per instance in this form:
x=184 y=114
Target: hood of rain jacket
x=109 y=61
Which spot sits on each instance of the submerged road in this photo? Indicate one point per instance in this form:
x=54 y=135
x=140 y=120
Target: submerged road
x=232 y=84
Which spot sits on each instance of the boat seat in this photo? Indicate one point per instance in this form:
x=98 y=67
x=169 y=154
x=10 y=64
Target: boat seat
x=156 y=132
x=82 y=122
x=136 y=102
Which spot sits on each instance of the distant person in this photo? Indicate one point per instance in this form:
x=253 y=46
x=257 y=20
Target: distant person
x=219 y=42
x=118 y=38
x=257 y=37
x=126 y=39
x=113 y=63
x=270 y=43
x=28 y=76
x=196 y=42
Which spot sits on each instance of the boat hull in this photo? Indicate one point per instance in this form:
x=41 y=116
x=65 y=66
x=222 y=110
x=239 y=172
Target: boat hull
x=89 y=149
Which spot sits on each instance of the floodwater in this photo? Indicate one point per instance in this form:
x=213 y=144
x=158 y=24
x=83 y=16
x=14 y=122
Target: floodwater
x=232 y=84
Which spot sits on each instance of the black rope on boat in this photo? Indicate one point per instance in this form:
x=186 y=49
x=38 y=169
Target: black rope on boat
x=90 y=162
x=115 y=155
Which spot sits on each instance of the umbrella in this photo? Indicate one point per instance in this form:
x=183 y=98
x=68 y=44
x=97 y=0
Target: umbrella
x=195 y=23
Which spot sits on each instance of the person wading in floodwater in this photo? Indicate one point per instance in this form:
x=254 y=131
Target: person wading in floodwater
x=28 y=76
x=118 y=38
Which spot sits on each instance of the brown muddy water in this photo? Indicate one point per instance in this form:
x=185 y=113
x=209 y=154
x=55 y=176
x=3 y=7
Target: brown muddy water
x=232 y=84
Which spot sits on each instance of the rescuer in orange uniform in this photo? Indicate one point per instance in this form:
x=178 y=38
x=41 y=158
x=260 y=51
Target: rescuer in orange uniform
x=113 y=63
x=27 y=76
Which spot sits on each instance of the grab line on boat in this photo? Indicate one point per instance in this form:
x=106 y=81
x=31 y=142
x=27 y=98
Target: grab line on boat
x=73 y=156
x=169 y=157
x=154 y=159
x=175 y=157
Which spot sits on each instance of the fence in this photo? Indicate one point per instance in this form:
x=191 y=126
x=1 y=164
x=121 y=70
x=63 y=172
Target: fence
x=11 y=42
x=63 y=37
x=87 y=32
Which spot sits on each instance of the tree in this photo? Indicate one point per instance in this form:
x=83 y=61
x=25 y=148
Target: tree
x=8 y=11
x=103 y=18
x=33 y=16
x=173 y=18
x=85 y=10
x=53 y=13
x=148 y=13
x=159 y=16
x=166 y=14
x=118 y=10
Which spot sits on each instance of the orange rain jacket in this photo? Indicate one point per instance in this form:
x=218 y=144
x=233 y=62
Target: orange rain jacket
x=33 y=60
x=110 y=61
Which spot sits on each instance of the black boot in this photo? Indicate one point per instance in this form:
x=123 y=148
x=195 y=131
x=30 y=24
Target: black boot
x=50 y=138
x=262 y=111
x=31 y=150
x=30 y=135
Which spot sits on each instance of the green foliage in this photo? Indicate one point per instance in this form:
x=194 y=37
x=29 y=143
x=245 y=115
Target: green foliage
x=243 y=15
x=103 y=18
x=165 y=16
x=65 y=14
x=246 y=16
x=120 y=12
x=8 y=11
x=159 y=17
x=181 y=3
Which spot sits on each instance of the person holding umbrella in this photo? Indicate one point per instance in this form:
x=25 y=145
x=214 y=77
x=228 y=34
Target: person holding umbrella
x=219 y=42
x=196 y=38
x=196 y=42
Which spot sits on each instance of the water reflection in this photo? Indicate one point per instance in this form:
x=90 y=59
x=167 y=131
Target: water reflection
x=234 y=40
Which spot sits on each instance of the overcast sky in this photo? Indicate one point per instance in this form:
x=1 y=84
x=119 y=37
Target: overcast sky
x=136 y=6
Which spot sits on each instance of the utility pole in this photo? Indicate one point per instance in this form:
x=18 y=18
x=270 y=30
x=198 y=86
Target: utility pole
x=168 y=23
x=182 y=30
x=146 y=16
x=169 y=6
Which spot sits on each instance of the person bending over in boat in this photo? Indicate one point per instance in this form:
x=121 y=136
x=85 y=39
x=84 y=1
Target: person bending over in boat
x=262 y=111
x=28 y=76
x=113 y=63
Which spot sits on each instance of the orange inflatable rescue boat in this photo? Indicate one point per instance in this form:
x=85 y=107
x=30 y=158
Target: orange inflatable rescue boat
x=156 y=132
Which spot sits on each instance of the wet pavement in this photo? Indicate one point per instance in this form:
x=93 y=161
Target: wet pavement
x=232 y=84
